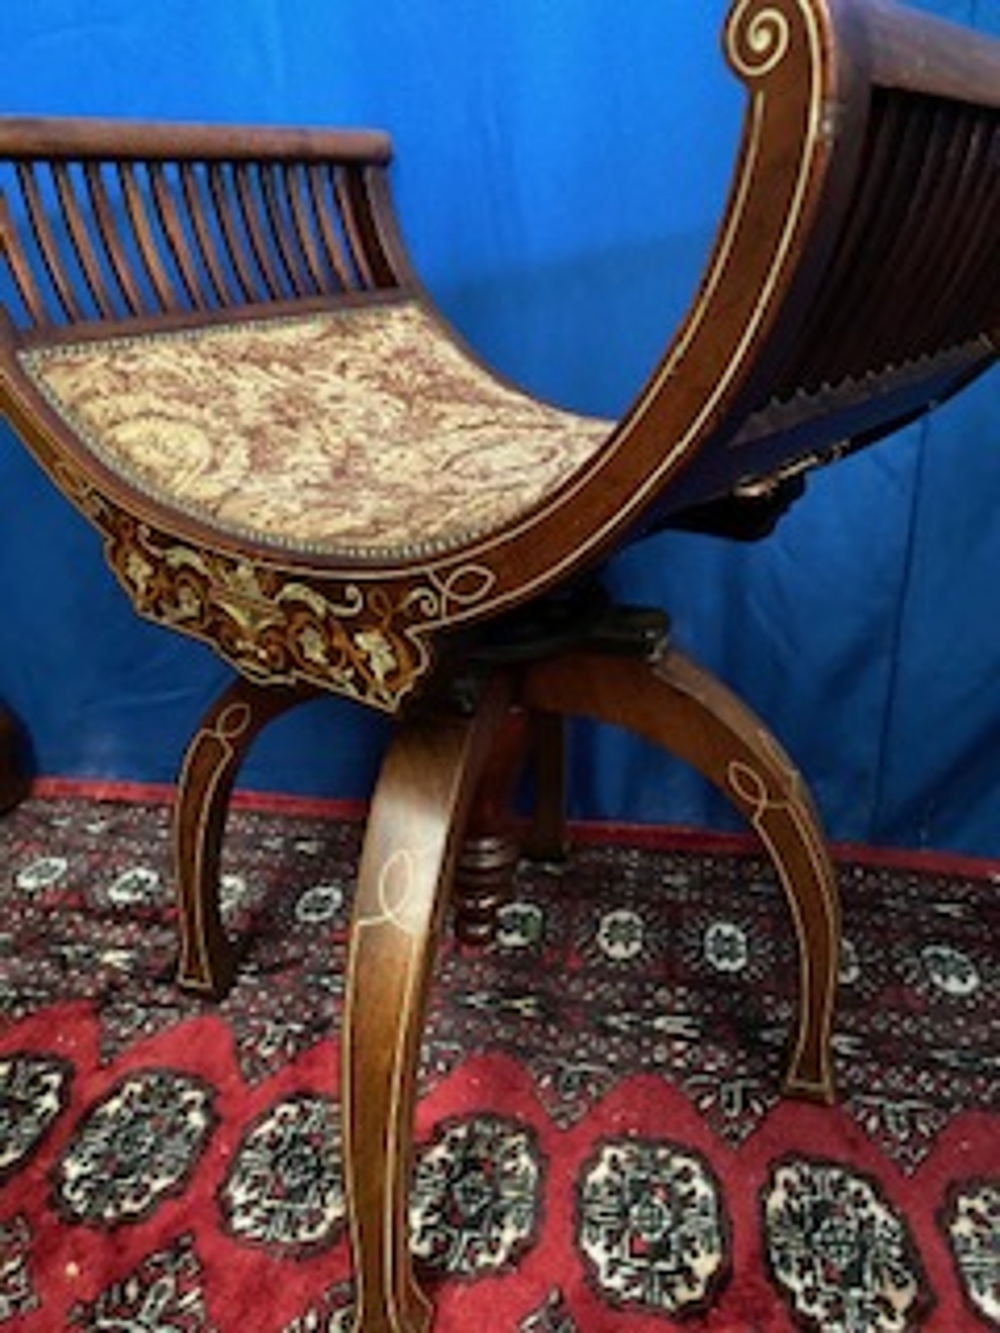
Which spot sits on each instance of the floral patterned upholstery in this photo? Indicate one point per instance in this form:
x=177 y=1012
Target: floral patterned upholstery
x=361 y=430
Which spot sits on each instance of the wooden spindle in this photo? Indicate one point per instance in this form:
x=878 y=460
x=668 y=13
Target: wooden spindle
x=165 y=201
x=79 y=235
x=296 y=191
x=20 y=269
x=48 y=248
x=972 y=254
x=223 y=202
x=321 y=191
x=350 y=197
x=107 y=229
x=272 y=185
x=138 y=211
x=248 y=203
x=208 y=251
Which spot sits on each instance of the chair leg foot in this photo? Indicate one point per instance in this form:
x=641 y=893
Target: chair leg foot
x=672 y=702
x=411 y=846
x=207 y=963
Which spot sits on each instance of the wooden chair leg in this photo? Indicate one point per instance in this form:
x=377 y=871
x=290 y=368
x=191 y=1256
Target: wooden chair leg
x=207 y=963
x=674 y=703
x=416 y=821
x=547 y=838
x=13 y=780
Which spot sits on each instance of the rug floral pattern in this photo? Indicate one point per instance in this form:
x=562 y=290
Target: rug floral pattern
x=602 y=1145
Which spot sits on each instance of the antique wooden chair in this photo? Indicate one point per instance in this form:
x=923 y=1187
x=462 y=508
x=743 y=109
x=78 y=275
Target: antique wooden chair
x=216 y=348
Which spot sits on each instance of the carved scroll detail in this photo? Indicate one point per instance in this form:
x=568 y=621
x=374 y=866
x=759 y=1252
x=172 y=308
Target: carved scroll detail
x=757 y=43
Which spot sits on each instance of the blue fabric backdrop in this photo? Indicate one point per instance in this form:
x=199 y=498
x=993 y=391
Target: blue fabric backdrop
x=560 y=170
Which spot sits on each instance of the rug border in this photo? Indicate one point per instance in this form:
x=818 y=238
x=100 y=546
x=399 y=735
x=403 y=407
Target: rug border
x=646 y=837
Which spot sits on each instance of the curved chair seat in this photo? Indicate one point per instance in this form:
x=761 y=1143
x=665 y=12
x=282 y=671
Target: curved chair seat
x=364 y=431
x=290 y=457
x=214 y=344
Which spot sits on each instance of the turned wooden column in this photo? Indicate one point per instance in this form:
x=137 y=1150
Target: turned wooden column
x=495 y=837
x=492 y=844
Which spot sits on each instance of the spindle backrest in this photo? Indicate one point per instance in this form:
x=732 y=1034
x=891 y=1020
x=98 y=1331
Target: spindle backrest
x=103 y=221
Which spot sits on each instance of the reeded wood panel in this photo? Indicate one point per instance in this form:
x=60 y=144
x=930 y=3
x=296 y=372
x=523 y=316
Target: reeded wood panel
x=914 y=270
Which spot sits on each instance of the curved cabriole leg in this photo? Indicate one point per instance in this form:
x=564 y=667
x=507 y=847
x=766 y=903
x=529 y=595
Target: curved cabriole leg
x=676 y=704
x=213 y=758
x=411 y=845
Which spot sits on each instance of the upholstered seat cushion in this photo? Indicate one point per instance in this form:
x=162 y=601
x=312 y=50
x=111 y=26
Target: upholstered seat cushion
x=360 y=430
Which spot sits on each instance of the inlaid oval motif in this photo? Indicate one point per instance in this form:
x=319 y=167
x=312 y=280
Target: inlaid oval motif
x=950 y=970
x=621 y=935
x=138 y=884
x=320 y=903
x=726 y=946
x=41 y=874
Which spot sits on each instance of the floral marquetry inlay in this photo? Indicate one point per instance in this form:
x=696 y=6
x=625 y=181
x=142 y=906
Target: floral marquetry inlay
x=363 y=640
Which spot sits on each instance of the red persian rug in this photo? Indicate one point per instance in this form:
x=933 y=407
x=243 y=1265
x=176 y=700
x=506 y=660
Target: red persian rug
x=602 y=1142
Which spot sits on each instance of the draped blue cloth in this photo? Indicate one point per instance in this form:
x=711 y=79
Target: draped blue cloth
x=560 y=172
